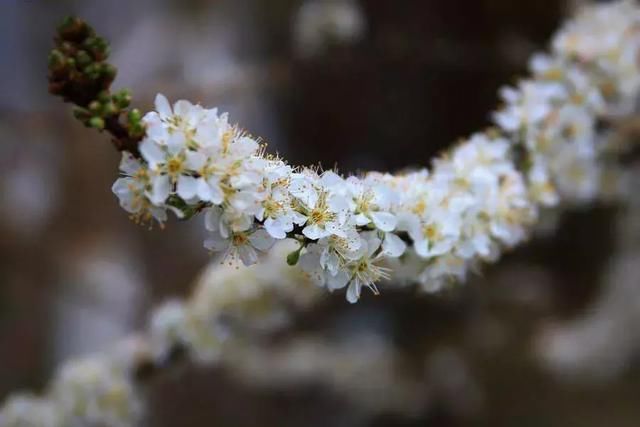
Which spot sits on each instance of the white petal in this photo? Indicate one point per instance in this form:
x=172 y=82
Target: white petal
x=362 y=219
x=335 y=229
x=129 y=164
x=122 y=187
x=261 y=240
x=160 y=190
x=176 y=143
x=216 y=195
x=310 y=264
x=157 y=130
x=195 y=160
x=353 y=292
x=158 y=213
x=298 y=218
x=331 y=179
x=245 y=147
x=182 y=108
x=239 y=222
x=152 y=153
x=338 y=203
x=408 y=222
x=314 y=232
x=187 y=187
x=338 y=281
x=244 y=201
x=373 y=243
x=422 y=248
x=276 y=228
x=384 y=221
x=162 y=106
x=212 y=219
x=393 y=246
x=507 y=121
x=216 y=244
x=247 y=254
x=302 y=189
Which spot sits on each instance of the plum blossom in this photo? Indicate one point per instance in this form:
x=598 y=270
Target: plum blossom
x=477 y=199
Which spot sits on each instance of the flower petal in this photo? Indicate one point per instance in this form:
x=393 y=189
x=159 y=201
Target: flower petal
x=276 y=228
x=353 y=292
x=160 y=190
x=195 y=160
x=261 y=240
x=338 y=281
x=247 y=255
x=384 y=221
x=152 y=153
x=393 y=246
x=163 y=107
x=187 y=187
x=212 y=218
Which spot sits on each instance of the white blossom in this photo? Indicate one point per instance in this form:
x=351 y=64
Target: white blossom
x=132 y=191
x=96 y=391
x=478 y=198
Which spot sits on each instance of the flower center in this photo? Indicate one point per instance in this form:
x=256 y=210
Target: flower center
x=363 y=204
x=240 y=239
x=320 y=216
x=420 y=207
x=430 y=232
x=175 y=165
x=271 y=207
x=227 y=137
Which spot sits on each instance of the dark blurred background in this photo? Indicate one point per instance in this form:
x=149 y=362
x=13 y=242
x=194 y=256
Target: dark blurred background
x=543 y=339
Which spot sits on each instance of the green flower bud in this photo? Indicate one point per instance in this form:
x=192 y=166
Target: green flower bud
x=92 y=71
x=294 y=257
x=56 y=60
x=83 y=59
x=70 y=63
x=108 y=72
x=67 y=23
x=74 y=29
x=95 y=106
x=122 y=98
x=68 y=48
x=104 y=97
x=96 y=123
x=98 y=47
x=110 y=109
x=134 y=116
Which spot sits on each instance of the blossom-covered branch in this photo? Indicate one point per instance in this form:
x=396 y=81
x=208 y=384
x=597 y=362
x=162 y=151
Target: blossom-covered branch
x=228 y=310
x=479 y=198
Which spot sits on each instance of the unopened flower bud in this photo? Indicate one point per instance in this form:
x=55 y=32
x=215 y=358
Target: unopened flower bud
x=96 y=123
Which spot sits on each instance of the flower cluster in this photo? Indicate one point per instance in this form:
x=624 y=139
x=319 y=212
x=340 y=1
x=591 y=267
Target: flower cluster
x=230 y=306
x=86 y=392
x=477 y=199
x=592 y=74
x=229 y=309
x=96 y=391
x=25 y=410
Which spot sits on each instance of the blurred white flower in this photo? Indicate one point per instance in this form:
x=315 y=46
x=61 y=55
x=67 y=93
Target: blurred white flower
x=320 y=23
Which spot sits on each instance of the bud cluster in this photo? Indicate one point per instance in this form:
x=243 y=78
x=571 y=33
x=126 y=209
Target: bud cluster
x=80 y=74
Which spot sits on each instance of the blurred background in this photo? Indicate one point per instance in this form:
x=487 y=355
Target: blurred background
x=549 y=337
